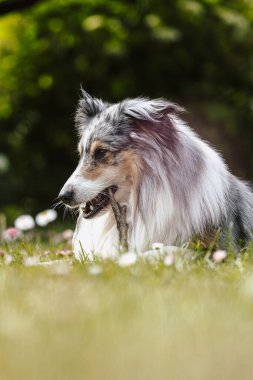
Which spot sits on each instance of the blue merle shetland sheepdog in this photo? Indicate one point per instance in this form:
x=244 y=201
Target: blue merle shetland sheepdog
x=175 y=186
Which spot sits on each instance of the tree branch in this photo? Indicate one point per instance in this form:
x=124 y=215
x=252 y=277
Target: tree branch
x=120 y=216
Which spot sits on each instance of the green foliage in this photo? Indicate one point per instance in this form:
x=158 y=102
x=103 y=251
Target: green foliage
x=197 y=52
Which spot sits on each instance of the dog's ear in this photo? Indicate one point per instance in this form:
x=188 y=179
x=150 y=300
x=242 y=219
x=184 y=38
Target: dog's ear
x=144 y=109
x=87 y=108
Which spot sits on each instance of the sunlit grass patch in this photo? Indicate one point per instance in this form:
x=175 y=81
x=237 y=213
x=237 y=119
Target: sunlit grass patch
x=188 y=318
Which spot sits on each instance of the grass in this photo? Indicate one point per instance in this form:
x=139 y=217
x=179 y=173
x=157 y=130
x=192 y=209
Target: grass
x=69 y=320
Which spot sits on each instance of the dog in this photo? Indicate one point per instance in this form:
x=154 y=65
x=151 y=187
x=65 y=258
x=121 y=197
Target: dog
x=175 y=186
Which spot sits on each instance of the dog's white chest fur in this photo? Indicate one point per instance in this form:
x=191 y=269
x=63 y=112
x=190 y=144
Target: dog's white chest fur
x=91 y=238
x=99 y=236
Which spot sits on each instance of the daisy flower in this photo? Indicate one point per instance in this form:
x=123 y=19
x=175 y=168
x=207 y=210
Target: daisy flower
x=11 y=234
x=127 y=259
x=169 y=259
x=67 y=234
x=24 y=223
x=95 y=270
x=45 y=217
x=219 y=256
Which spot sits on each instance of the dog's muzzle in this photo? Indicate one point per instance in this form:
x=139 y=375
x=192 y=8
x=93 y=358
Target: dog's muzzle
x=93 y=206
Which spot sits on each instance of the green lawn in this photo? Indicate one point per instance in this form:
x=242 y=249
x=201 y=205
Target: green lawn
x=66 y=320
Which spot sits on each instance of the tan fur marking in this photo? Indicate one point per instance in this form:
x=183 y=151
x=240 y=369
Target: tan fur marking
x=97 y=145
x=91 y=173
x=108 y=159
x=130 y=164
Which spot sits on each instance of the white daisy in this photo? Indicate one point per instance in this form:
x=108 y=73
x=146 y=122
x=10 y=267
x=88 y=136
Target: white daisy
x=168 y=259
x=45 y=217
x=67 y=234
x=127 y=259
x=219 y=256
x=95 y=270
x=24 y=222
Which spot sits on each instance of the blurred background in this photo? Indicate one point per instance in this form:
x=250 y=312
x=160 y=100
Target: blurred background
x=198 y=53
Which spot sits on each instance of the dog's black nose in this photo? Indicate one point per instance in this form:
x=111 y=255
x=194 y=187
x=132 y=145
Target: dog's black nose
x=67 y=196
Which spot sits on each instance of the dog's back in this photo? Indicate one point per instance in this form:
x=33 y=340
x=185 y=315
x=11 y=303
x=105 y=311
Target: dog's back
x=239 y=221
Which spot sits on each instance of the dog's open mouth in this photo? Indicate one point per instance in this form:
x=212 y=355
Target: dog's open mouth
x=97 y=204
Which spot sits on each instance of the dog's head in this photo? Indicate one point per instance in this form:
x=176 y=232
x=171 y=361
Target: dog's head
x=112 y=141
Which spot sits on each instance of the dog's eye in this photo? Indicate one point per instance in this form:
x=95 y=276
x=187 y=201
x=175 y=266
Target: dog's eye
x=99 y=154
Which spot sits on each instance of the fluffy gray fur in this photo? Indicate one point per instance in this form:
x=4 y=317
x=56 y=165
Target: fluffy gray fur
x=185 y=187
